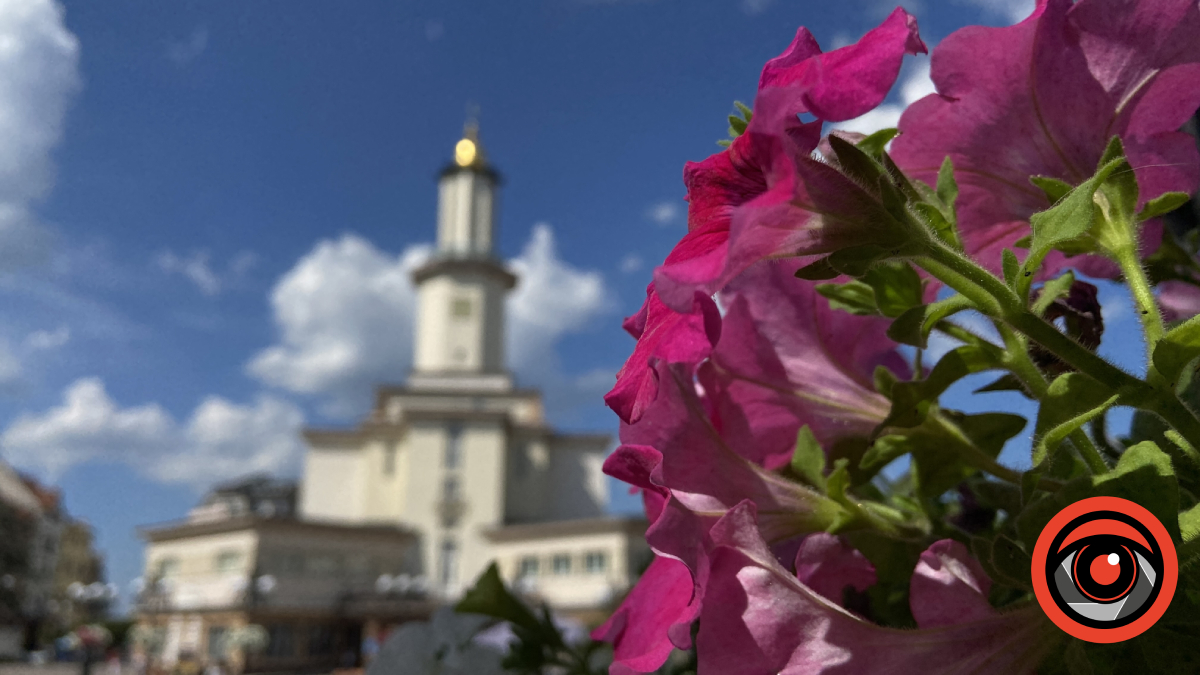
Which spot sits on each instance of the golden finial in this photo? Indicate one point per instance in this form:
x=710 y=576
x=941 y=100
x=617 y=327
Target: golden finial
x=468 y=151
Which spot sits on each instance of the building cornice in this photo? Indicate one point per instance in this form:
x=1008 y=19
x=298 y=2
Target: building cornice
x=439 y=265
x=183 y=529
x=566 y=528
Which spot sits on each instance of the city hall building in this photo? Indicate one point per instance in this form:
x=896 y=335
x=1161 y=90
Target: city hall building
x=451 y=470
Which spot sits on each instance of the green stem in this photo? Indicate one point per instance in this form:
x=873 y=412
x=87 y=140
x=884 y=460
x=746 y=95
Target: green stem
x=1143 y=299
x=1020 y=364
x=976 y=457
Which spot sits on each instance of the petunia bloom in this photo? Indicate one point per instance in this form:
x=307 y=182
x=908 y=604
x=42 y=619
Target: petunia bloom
x=758 y=171
x=758 y=618
x=787 y=359
x=1043 y=97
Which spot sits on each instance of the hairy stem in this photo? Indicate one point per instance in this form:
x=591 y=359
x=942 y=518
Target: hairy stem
x=1143 y=299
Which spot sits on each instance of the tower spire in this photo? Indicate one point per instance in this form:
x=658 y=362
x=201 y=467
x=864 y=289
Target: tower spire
x=468 y=152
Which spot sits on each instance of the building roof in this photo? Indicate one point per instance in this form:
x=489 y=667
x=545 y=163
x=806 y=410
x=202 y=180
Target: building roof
x=566 y=528
x=184 y=529
x=15 y=493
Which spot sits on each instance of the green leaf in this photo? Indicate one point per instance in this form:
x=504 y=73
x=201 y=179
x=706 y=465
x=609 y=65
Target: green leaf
x=855 y=297
x=737 y=126
x=856 y=260
x=947 y=187
x=1076 y=659
x=1071 y=401
x=942 y=228
x=1162 y=205
x=938 y=455
x=1054 y=188
x=817 y=271
x=1007 y=382
x=724 y=143
x=1023 y=242
x=1011 y=267
x=1012 y=562
x=914 y=325
x=884 y=380
x=854 y=162
x=1143 y=475
x=808 y=461
x=1189 y=529
x=897 y=287
x=745 y=110
x=1177 y=349
x=1053 y=290
x=874 y=144
x=911 y=400
x=1069 y=218
x=491 y=598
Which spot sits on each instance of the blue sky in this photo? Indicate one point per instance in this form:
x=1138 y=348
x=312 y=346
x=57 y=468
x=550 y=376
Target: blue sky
x=208 y=209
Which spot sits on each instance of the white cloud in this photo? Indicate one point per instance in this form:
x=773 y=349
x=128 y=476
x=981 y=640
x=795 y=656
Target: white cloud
x=345 y=315
x=1012 y=11
x=183 y=52
x=344 y=312
x=434 y=30
x=39 y=76
x=196 y=268
x=220 y=440
x=665 y=212
x=915 y=84
x=755 y=7
x=12 y=374
x=631 y=263
x=44 y=340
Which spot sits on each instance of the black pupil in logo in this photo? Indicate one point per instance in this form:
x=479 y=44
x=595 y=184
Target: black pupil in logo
x=1104 y=569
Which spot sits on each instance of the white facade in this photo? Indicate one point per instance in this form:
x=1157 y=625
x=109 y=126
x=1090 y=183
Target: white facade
x=460 y=456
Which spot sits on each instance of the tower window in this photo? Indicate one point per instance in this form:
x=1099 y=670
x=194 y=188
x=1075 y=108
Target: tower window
x=450 y=491
x=389 y=461
x=561 y=564
x=453 y=456
x=448 y=570
x=460 y=308
x=595 y=562
x=528 y=567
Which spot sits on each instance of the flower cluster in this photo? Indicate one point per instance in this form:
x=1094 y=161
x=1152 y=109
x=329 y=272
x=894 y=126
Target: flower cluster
x=768 y=386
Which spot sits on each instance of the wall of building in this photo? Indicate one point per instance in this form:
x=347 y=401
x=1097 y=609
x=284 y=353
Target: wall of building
x=334 y=485
x=315 y=569
x=578 y=586
x=460 y=316
x=577 y=487
x=194 y=580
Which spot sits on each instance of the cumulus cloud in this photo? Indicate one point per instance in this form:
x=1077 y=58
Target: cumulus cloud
x=631 y=263
x=755 y=7
x=197 y=269
x=915 y=84
x=39 y=76
x=44 y=340
x=220 y=440
x=1012 y=11
x=183 y=52
x=345 y=318
x=665 y=212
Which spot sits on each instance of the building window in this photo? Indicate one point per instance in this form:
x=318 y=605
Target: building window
x=281 y=642
x=595 y=562
x=168 y=567
x=389 y=461
x=448 y=568
x=320 y=641
x=561 y=564
x=528 y=567
x=229 y=561
x=460 y=308
x=216 y=642
x=453 y=456
x=450 y=490
x=324 y=565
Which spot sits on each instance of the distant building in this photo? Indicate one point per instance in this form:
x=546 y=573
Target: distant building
x=452 y=470
x=80 y=566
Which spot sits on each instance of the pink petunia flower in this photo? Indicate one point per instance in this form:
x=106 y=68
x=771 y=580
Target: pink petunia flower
x=787 y=359
x=1044 y=97
x=754 y=182
x=758 y=618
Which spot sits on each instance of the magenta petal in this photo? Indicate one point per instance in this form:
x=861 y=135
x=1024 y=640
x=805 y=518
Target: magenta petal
x=949 y=587
x=1179 y=300
x=668 y=336
x=827 y=565
x=758 y=618
x=639 y=628
x=844 y=83
x=786 y=359
x=1044 y=97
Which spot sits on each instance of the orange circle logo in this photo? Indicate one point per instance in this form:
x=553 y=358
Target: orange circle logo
x=1104 y=569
